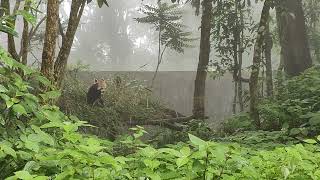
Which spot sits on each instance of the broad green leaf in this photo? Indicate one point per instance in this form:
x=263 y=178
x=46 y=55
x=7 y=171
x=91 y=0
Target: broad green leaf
x=3 y=89
x=315 y=120
x=172 y=152
x=285 y=172
x=185 y=151
x=27 y=16
x=152 y=164
x=24 y=175
x=310 y=141
x=18 y=108
x=8 y=150
x=34 y=146
x=43 y=80
x=197 y=141
x=51 y=95
x=294 y=131
x=182 y=161
x=6 y=29
x=31 y=165
x=45 y=137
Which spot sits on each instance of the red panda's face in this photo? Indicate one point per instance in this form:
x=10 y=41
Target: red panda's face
x=102 y=84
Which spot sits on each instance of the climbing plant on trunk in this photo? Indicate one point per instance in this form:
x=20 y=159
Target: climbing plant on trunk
x=256 y=62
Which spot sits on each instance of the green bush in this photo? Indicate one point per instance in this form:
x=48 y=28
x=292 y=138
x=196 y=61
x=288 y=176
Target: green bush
x=297 y=104
x=239 y=122
x=38 y=141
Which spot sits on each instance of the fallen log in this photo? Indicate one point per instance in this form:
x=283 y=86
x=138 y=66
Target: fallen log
x=168 y=123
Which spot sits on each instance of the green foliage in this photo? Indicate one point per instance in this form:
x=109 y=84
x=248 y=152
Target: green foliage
x=38 y=141
x=261 y=140
x=297 y=105
x=240 y=122
x=232 y=28
x=166 y=19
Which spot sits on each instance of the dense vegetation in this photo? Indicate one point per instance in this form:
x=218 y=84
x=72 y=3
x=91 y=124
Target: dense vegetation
x=38 y=141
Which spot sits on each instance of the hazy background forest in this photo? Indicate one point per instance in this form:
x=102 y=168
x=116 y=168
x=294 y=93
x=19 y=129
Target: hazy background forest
x=122 y=44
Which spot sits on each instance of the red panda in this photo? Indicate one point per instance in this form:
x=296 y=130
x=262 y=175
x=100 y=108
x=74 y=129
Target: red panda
x=95 y=91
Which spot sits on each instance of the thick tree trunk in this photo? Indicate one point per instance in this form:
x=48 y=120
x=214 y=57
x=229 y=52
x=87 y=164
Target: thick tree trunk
x=294 y=42
x=268 y=44
x=254 y=87
x=200 y=82
x=48 y=53
x=77 y=7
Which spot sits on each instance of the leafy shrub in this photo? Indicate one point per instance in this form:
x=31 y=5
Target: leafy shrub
x=239 y=122
x=297 y=103
x=38 y=141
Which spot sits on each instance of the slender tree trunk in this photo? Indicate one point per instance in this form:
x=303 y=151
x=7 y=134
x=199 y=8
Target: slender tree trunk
x=254 y=78
x=11 y=42
x=235 y=70
x=200 y=82
x=235 y=97
x=49 y=46
x=25 y=37
x=279 y=78
x=268 y=44
x=159 y=55
x=240 y=58
x=77 y=7
x=294 y=42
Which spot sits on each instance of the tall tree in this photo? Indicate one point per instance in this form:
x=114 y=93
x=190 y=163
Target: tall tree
x=55 y=70
x=255 y=69
x=48 y=53
x=200 y=81
x=268 y=44
x=25 y=36
x=293 y=41
x=77 y=7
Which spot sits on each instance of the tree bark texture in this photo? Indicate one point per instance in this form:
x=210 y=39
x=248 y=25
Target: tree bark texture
x=255 y=69
x=48 y=53
x=200 y=81
x=268 y=44
x=293 y=41
x=77 y=7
